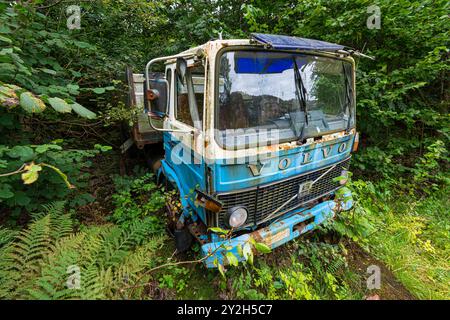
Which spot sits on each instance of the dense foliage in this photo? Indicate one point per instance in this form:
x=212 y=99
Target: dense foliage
x=36 y=262
x=61 y=107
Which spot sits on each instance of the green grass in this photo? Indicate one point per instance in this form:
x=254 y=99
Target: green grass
x=409 y=234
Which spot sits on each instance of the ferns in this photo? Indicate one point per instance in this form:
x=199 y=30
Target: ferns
x=6 y=236
x=22 y=258
x=336 y=266
x=119 y=241
x=41 y=260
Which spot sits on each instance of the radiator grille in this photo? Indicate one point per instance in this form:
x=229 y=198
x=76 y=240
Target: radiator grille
x=265 y=199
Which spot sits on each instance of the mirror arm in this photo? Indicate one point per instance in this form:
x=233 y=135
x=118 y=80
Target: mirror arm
x=149 y=64
x=166 y=130
x=147 y=80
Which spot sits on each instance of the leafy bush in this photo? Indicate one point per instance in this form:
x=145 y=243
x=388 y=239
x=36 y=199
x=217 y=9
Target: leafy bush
x=32 y=176
x=137 y=197
x=35 y=75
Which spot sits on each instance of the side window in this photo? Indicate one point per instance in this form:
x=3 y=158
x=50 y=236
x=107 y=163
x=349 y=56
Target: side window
x=198 y=75
x=183 y=112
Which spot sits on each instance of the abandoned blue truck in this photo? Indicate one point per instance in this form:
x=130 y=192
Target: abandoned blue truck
x=257 y=136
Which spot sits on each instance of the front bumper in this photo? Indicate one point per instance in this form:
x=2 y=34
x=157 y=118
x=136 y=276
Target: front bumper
x=284 y=229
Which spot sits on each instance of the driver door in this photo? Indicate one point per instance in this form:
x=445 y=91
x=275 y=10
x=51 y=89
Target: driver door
x=184 y=150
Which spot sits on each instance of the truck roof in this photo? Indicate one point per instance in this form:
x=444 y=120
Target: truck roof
x=276 y=42
x=229 y=42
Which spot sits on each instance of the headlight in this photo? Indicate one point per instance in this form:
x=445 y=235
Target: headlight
x=344 y=174
x=237 y=217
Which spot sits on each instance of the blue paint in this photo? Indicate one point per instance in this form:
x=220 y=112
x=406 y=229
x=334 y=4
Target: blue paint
x=231 y=177
x=320 y=212
x=185 y=174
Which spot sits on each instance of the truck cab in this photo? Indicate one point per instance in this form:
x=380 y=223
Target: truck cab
x=257 y=134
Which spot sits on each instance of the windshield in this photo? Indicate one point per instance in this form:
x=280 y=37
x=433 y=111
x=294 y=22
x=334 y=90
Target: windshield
x=291 y=96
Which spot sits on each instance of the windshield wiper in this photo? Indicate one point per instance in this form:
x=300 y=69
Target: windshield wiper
x=300 y=91
x=348 y=91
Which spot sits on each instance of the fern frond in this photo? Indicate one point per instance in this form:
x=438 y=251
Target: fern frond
x=93 y=283
x=24 y=256
x=61 y=224
x=335 y=266
x=38 y=262
x=56 y=271
x=6 y=237
x=119 y=241
x=137 y=262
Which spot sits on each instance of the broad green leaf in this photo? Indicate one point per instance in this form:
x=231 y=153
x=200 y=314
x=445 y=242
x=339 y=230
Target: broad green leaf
x=59 y=105
x=61 y=174
x=102 y=148
x=3 y=163
x=25 y=153
x=99 y=90
x=6 y=51
x=262 y=247
x=278 y=285
x=5 y=191
x=82 y=111
x=41 y=149
x=240 y=250
x=221 y=269
x=248 y=253
x=31 y=174
x=219 y=230
x=75 y=74
x=48 y=71
x=8 y=91
x=73 y=88
x=21 y=198
x=57 y=141
x=45 y=147
x=5 y=29
x=30 y=103
x=5 y=39
x=340 y=178
x=12 y=86
x=232 y=260
x=83 y=45
x=7 y=68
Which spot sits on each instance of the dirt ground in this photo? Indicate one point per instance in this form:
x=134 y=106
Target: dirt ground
x=391 y=288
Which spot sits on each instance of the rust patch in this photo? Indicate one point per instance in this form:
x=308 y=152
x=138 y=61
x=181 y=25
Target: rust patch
x=302 y=225
x=198 y=230
x=257 y=236
x=274 y=238
x=287 y=146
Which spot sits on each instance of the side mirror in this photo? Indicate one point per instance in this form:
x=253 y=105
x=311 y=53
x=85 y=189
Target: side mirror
x=157 y=96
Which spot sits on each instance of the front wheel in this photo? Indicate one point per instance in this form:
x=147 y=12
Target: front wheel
x=181 y=234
